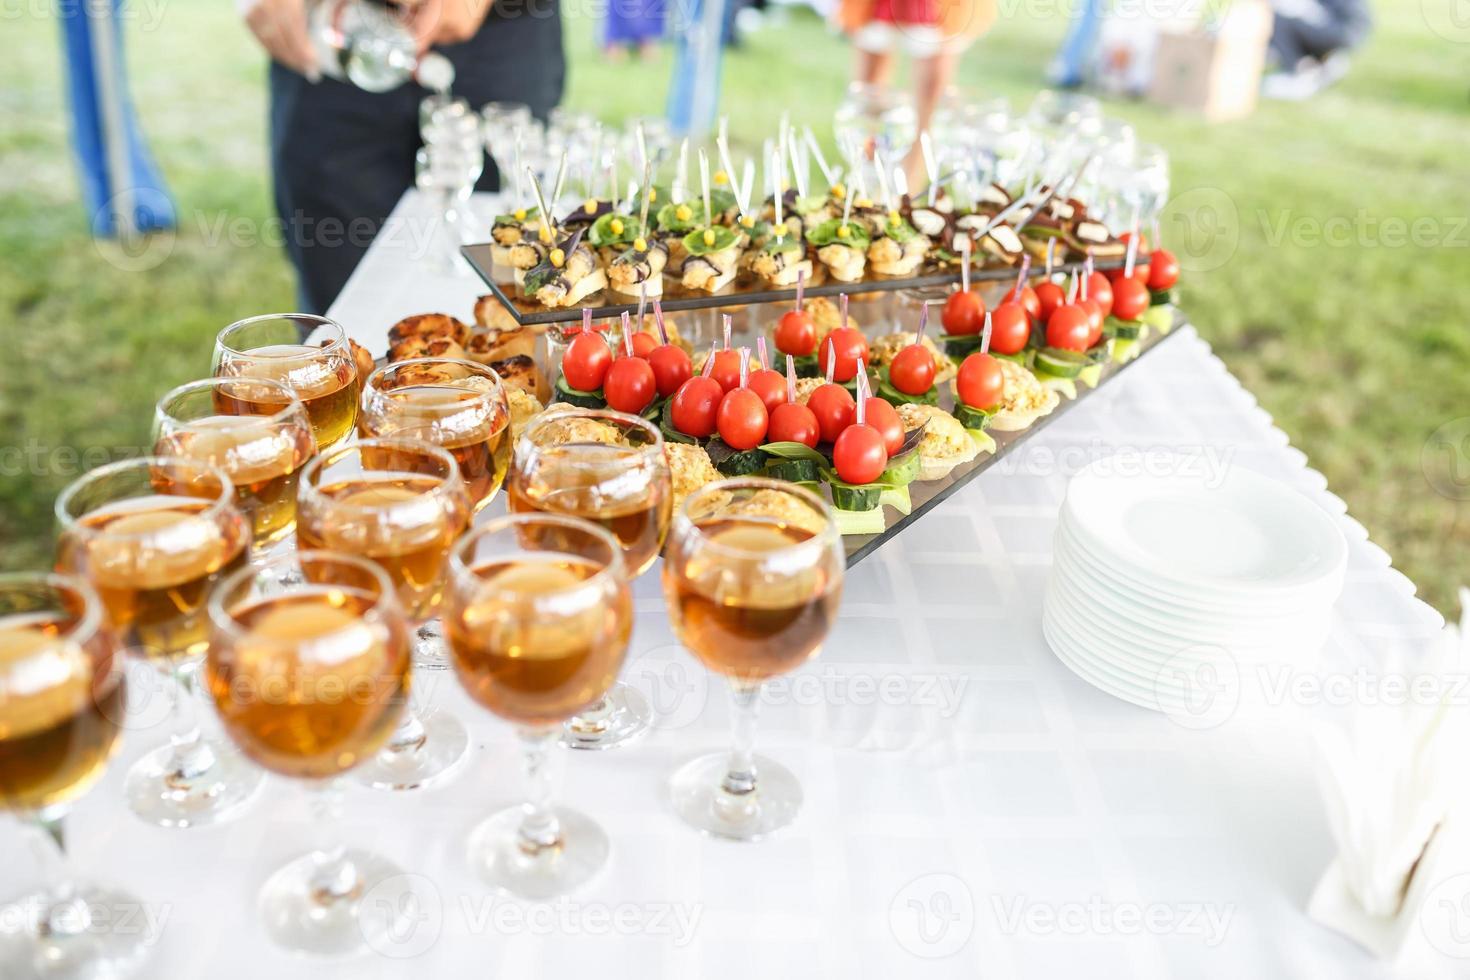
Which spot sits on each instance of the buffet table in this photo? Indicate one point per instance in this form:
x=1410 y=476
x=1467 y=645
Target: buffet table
x=972 y=807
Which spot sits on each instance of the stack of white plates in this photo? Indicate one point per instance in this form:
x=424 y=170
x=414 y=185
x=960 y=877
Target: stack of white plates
x=1172 y=584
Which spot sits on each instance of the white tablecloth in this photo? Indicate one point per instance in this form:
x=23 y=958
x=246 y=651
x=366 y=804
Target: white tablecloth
x=972 y=808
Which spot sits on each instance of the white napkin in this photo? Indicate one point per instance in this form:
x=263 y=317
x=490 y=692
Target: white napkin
x=1390 y=777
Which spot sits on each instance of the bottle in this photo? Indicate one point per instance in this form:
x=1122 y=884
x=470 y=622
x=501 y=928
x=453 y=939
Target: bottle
x=367 y=43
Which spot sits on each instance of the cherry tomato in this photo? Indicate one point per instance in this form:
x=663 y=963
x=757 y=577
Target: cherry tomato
x=695 y=406
x=1069 y=327
x=1100 y=289
x=964 y=313
x=1028 y=299
x=1130 y=298
x=796 y=334
x=884 y=417
x=630 y=385
x=1095 y=319
x=586 y=361
x=849 y=347
x=980 y=383
x=858 y=454
x=1010 y=328
x=1050 y=296
x=1163 y=270
x=727 y=369
x=769 y=385
x=912 y=370
x=833 y=406
x=671 y=368
x=742 y=419
x=643 y=345
x=794 y=422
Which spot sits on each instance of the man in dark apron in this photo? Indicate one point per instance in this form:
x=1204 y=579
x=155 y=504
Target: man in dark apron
x=342 y=157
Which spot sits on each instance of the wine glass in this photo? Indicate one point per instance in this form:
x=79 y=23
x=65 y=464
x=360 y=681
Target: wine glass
x=401 y=504
x=309 y=354
x=753 y=579
x=608 y=468
x=310 y=681
x=62 y=698
x=538 y=618
x=153 y=536
x=458 y=405
x=210 y=421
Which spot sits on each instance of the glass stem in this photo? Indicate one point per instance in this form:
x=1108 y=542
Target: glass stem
x=335 y=876
x=65 y=913
x=191 y=756
x=539 y=829
x=745 y=699
x=409 y=736
x=594 y=719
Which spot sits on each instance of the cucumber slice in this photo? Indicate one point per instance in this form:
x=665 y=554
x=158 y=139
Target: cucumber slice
x=983 y=440
x=971 y=418
x=732 y=463
x=1090 y=375
x=901 y=471
x=575 y=396
x=1161 y=297
x=859 y=521
x=793 y=470
x=898 y=498
x=1124 y=329
x=846 y=496
x=960 y=346
x=1124 y=350
x=1061 y=363
x=1159 y=317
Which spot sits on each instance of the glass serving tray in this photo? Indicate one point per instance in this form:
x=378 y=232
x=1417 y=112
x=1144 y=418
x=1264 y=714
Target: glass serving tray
x=745 y=290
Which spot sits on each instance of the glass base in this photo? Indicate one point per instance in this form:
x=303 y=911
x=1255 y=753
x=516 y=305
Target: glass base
x=624 y=717
x=432 y=762
x=112 y=946
x=163 y=792
x=495 y=852
x=698 y=794
x=362 y=913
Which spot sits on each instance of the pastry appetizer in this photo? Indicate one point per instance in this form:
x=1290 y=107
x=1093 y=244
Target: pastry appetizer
x=842 y=248
x=568 y=275
x=898 y=249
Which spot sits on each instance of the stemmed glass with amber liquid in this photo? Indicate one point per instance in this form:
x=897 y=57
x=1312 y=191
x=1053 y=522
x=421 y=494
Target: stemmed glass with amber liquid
x=61 y=704
x=262 y=455
x=309 y=680
x=457 y=405
x=153 y=536
x=401 y=504
x=753 y=578
x=308 y=354
x=608 y=468
x=538 y=618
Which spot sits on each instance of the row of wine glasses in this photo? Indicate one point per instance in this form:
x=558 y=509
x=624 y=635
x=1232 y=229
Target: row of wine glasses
x=308 y=654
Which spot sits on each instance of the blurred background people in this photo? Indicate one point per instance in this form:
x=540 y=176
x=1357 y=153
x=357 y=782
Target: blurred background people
x=341 y=157
x=632 y=26
x=1310 y=44
x=933 y=33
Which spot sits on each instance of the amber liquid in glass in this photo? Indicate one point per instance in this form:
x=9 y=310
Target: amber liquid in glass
x=59 y=726
x=309 y=689
x=739 y=623
x=326 y=383
x=153 y=561
x=531 y=664
x=262 y=458
x=634 y=509
x=411 y=547
x=463 y=420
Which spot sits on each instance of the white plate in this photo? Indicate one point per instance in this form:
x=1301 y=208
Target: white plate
x=1138 y=616
x=1242 y=535
x=1075 y=658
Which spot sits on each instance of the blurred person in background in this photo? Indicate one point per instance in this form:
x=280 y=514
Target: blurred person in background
x=632 y=25
x=934 y=33
x=1310 y=44
x=342 y=157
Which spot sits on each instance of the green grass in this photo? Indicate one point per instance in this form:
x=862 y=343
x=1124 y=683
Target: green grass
x=1359 y=350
